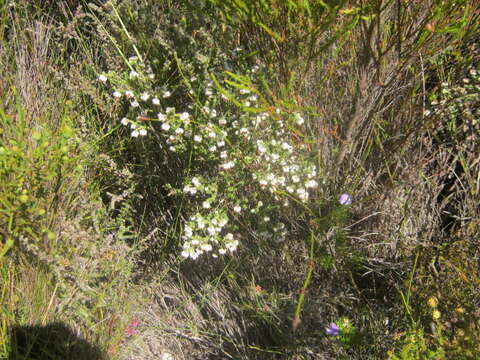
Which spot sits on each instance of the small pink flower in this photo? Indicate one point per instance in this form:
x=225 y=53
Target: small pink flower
x=131 y=331
x=134 y=323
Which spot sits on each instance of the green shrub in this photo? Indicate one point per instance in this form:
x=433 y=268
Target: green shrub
x=37 y=166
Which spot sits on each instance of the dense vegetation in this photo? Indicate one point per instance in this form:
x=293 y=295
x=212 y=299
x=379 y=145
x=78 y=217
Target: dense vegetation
x=207 y=179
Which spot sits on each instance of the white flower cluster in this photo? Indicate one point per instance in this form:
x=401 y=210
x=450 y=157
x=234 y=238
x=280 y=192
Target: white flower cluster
x=206 y=234
x=240 y=140
x=278 y=167
x=141 y=102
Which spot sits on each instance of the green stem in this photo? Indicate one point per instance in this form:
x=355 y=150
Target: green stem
x=306 y=283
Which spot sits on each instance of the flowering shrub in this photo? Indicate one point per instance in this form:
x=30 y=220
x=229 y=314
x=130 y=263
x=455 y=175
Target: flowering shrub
x=245 y=158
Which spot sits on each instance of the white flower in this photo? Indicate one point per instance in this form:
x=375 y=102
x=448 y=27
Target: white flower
x=206 y=247
x=208 y=91
x=213 y=113
x=302 y=194
x=299 y=120
x=223 y=155
x=222 y=251
x=151 y=76
x=212 y=148
x=197 y=138
x=169 y=110
x=102 y=78
x=179 y=131
x=133 y=125
x=135 y=103
x=223 y=222
x=129 y=94
x=143 y=132
x=184 y=116
x=167 y=356
x=228 y=165
x=145 y=96
x=220 y=143
x=295 y=179
x=190 y=190
x=229 y=236
x=185 y=254
x=200 y=223
x=196 y=181
x=133 y=74
x=117 y=94
x=188 y=231
x=166 y=94
x=165 y=126
x=232 y=246
x=237 y=208
x=311 y=184
x=124 y=121
x=244 y=91
x=206 y=204
x=135 y=133
x=222 y=121
x=155 y=101
x=162 y=117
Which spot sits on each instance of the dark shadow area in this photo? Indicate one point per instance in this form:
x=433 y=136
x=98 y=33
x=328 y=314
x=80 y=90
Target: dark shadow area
x=53 y=341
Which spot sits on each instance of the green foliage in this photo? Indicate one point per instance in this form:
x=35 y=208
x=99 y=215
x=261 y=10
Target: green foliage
x=289 y=35
x=416 y=348
x=36 y=164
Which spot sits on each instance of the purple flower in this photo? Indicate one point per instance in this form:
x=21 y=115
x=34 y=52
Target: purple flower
x=345 y=199
x=332 y=330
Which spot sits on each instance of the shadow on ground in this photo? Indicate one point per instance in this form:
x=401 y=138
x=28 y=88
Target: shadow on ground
x=53 y=341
